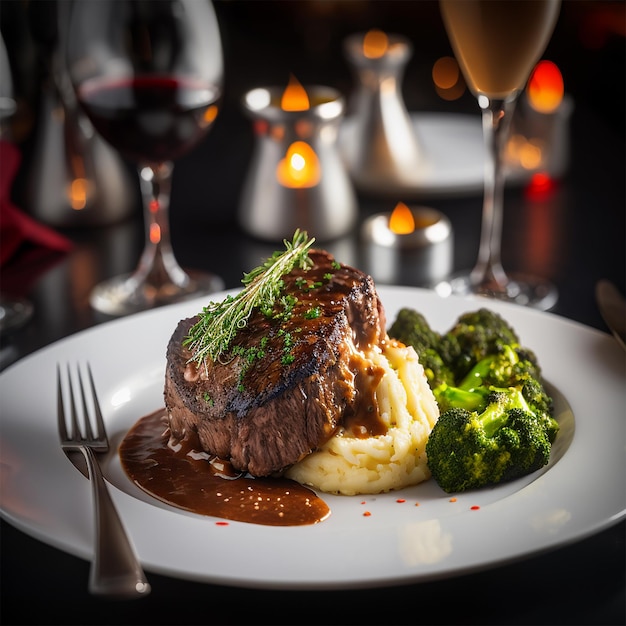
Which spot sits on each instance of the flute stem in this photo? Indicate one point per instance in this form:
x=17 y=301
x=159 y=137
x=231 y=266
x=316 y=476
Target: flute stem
x=488 y=275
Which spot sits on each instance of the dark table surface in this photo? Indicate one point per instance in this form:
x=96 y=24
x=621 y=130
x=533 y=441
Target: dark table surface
x=583 y=216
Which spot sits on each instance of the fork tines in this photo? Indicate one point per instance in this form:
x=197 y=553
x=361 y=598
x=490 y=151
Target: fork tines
x=92 y=432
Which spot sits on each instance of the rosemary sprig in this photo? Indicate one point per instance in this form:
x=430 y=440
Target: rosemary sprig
x=211 y=336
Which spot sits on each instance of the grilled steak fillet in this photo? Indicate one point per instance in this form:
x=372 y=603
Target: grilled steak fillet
x=289 y=381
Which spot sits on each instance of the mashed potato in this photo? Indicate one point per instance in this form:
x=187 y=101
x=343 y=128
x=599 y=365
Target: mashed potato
x=349 y=465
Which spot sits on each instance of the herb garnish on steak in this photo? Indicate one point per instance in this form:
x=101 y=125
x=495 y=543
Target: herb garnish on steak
x=219 y=322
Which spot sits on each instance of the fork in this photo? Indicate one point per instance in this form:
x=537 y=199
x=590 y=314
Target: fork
x=115 y=570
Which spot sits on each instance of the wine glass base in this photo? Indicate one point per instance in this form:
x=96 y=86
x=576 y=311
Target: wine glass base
x=123 y=295
x=530 y=291
x=14 y=313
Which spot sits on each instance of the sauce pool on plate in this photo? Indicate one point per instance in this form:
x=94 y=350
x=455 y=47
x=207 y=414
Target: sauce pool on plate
x=188 y=478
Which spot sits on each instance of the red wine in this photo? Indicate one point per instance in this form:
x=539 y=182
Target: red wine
x=150 y=118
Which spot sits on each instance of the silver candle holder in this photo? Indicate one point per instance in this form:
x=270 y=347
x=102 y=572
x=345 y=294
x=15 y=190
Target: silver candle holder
x=296 y=178
x=381 y=147
x=408 y=246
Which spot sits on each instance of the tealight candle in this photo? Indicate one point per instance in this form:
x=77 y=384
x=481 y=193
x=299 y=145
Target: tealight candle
x=296 y=178
x=409 y=246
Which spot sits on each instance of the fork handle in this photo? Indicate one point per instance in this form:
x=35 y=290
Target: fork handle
x=115 y=569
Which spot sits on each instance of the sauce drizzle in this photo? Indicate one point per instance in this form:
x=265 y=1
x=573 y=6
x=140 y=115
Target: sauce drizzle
x=190 y=479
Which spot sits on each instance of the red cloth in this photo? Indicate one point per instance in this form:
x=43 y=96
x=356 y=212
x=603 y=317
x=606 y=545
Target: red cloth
x=16 y=228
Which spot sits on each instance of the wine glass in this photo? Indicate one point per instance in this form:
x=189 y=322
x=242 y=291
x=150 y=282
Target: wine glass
x=148 y=74
x=497 y=44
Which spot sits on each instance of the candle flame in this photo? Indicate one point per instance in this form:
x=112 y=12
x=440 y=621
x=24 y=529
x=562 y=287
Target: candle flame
x=78 y=194
x=401 y=221
x=300 y=167
x=375 y=44
x=545 y=87
x=209 y=115
x=294 y=97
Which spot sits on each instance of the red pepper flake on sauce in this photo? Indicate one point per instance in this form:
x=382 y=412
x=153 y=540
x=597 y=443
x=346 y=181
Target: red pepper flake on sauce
x=221 y=523
x=475 y=507
x=366 y=514
x=400 y=500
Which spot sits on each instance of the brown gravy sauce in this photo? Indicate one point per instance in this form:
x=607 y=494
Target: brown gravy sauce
x=190 y=479
x=364 y=419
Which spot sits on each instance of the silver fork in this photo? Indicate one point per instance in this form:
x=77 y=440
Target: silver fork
x=115 y=570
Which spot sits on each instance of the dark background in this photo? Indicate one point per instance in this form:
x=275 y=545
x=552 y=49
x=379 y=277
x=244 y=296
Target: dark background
x=266 y=41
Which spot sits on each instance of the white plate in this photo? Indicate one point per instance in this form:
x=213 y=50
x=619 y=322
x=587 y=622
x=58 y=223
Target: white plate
x=580 y=493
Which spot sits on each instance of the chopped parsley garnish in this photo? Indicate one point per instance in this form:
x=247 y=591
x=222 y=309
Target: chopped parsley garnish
x=313 y=313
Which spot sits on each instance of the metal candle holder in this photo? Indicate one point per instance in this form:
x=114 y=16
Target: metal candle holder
x=381 y=147
x=297 y=178
x=422 y=257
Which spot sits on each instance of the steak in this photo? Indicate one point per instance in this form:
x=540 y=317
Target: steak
x=289 y=379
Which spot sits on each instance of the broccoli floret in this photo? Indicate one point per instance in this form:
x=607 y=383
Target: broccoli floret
x=436 y=371
x=449 y=397
x=474 y=336
x=512 y=367
x=542 y=405
x=501 y=440
x=535 y=394
x=504 y=369
x=495 y=425
x=412 y=329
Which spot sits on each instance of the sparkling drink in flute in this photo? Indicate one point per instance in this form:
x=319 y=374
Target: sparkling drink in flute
x=497 y=43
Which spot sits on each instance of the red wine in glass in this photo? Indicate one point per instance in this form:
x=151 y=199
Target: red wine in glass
x=150 y=118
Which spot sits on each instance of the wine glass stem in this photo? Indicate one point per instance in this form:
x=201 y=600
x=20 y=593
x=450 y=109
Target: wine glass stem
x=488 y=273
x=158 y=265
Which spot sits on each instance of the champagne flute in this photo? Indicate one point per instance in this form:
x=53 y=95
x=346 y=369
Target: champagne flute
x=497 y=43
x=148 y=74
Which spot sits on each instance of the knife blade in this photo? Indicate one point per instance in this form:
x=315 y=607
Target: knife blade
x=613 y=309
